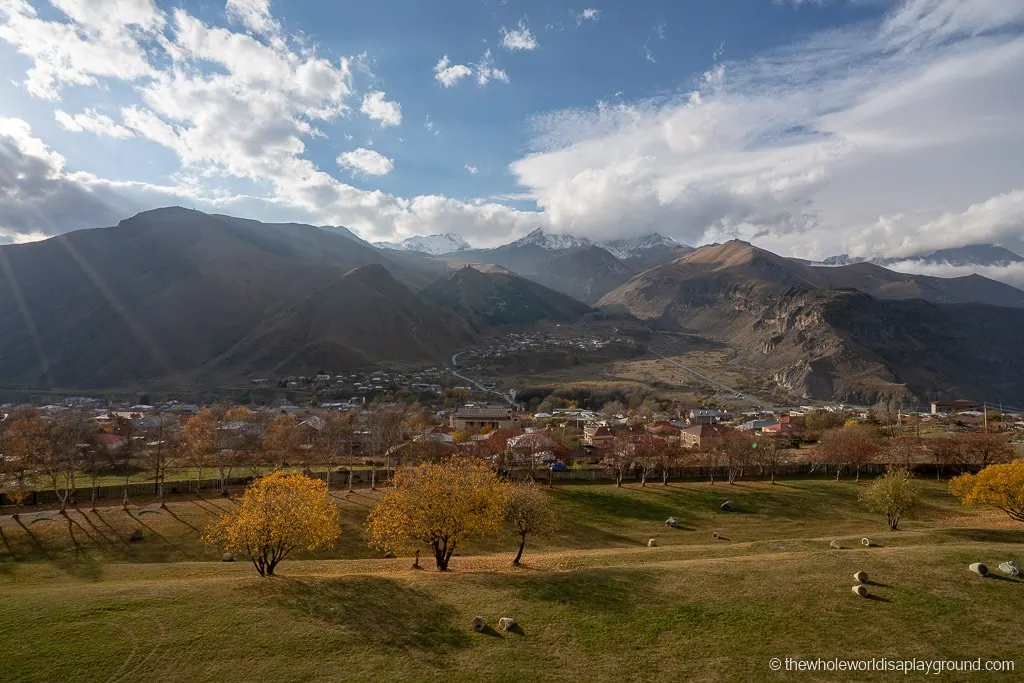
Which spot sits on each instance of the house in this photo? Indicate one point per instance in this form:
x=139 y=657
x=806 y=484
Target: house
x=597 y=435
x=475 y=418
x=954 y=406
x=700 y=416
x=696 y=436
x=756 y=425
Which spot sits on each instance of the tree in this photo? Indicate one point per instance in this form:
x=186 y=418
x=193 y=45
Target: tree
x=199 y=441
x=770 y=454
x=820 y=421
x=529 y=512
x=65 y=436
x=279 y=513
x=1000 y=485
x=904 y=451
x=23 y=447
x=619 y=456
x=894 y=493
x=946 y=451
x=124 y=452
x=851 y=446
x=159 y=447
x=439 y=505
x=984 y=449
x=385 y=432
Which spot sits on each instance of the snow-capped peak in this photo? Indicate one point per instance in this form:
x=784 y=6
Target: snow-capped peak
x=434 y=245
x=636 y=246
x=553 y=241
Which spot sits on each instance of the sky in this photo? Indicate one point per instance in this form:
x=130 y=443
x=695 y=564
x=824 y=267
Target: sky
x=809 y=127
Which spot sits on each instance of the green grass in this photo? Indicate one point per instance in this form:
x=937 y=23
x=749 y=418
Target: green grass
x=594 y=603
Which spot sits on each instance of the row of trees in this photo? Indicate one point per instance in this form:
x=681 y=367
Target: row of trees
x=851 y=447
x=439 y=506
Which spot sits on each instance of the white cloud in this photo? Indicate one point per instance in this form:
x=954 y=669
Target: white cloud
x=103 y=39
x=366 y=161
x=376 y=107
x=473 y=170
x=805 y=149
x=589 y=14
x=254 y=14
x=485 y=70
x=91 y=121
x=518 y=38
x=431 y=126
x=448 y=74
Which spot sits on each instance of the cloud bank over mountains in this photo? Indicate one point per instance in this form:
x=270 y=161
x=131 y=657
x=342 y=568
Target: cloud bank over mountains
x=887 y=136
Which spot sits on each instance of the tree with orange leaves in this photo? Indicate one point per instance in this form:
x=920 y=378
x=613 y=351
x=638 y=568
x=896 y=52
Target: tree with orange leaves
x=1001 y=486
x=440 y=505
x=279 y=514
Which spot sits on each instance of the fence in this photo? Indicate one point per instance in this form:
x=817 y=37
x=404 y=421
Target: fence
x=339 y=479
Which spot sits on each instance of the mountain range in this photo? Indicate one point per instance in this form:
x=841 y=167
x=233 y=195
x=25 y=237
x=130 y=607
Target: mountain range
x=854 y=333
x=181 y=296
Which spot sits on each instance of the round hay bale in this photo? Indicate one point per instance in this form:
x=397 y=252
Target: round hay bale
x=506 y=623
x=979 y=569
x=227 y=557
x=861 y=590
x=835 y=545
x=1010 y=568
x=389 y=555
x=672 y=522
x=860 y=577
x=714 y=535
x=479 y=624
x=135 y=536
x=652 y=543
x=866 y=542
x=728 y=506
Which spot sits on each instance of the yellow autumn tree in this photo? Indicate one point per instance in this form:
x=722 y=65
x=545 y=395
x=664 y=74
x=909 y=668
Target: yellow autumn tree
x=1001 y=486
x=279 y=513
x=440 y=505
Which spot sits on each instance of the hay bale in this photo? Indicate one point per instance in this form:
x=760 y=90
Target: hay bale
x=652 y=543
x=506 y=623
x=860 y=577
x=672 y=522
x=479 y=624
x=979 y=569
x=135 y=536
x=866 y=542
x=227 y=557
x=714 y=535
x=1010 y=568
x=861 y=590
x=835 y=545
x=728 y=506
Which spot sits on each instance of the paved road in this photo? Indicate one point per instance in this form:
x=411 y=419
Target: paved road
x=735 y=393
x=455 y=364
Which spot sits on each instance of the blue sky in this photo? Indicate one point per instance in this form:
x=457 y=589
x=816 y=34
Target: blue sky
x=808 y=126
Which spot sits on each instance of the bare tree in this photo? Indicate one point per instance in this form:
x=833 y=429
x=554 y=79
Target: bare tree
x=851 y=446
x=23 y=444
x=160 y=444
x=904 y=452
x=59 y=461
x=769 y=454
x=619 y=456
x=385 y=432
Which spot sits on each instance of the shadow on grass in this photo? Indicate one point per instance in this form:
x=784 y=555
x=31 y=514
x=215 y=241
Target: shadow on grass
x=489 y=631
x=608 y=591
x=181 y=521
x=35 y=540
x=987 y=535
x=382 y=613
x=876 y=598
x=1000 y=577
x=877 y=584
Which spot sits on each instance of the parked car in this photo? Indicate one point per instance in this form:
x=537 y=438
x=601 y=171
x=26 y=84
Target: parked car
x=558 y=467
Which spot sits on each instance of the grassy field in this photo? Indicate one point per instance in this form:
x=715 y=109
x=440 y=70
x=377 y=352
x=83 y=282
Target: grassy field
x=79 y=601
